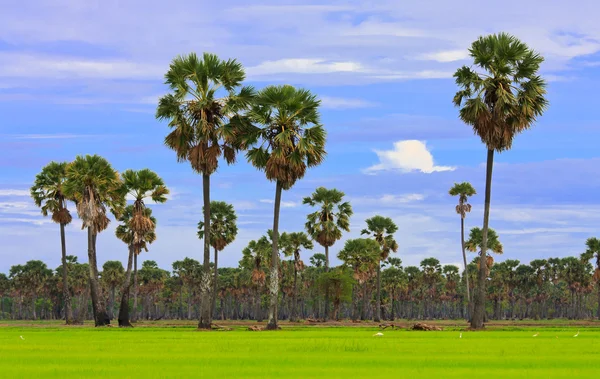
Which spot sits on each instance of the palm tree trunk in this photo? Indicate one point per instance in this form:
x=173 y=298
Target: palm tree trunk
x=65 y=279
x=293 y=316
x=466 y=273
x=363 y=314
x=392 y=316
x=124 y=308
x=326 y=313
x=100 y=315
x=274 y=284
x=479 y=306
x=205 y=315
x=377 y=314
x=134 y=313
x=215 y=282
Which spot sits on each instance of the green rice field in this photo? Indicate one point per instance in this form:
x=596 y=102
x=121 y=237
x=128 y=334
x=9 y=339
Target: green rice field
x=48 y=350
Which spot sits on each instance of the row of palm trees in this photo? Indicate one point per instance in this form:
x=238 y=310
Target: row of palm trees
x=212 y=115
x=544 y=288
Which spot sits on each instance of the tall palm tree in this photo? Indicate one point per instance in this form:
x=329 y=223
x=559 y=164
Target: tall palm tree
x=286 y=140
x=141 y=185
x=135 y=246
x=463 y=190
x=47 y=193
x=254 y=257
x=593 y=251
x=362 y=255
x=475 y=243
x=96 y=188
x=112 y=275
x=501 y=99
x=382 y=229
x=223 y=230
x=292 y=243
x=327 y=223
x=199 y=110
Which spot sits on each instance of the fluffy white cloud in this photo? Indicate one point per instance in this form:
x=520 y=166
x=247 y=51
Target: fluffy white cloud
x=303 y=66
x=13 y=192
x=284 y=204
x=343 y=103
x=407 y=156
x=446 y=55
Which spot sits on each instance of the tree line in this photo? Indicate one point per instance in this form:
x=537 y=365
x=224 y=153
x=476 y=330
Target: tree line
x=213 y=116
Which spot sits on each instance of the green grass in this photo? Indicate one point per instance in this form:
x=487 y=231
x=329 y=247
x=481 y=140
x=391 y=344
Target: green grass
x=303 y=352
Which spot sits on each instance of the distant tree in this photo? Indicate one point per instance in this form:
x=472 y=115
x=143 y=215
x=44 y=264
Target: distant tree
x=113 y=275
x=318 y=260
x=593 y=251
x=292 y=243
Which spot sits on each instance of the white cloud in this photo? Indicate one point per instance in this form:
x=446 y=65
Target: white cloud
x=407 y=156
x=388 y=199
x=33 y=221
x=303 y=66
x=446 y=55
x=284 y=204
x=14 y=192
x=51 y=136
x=344 y=103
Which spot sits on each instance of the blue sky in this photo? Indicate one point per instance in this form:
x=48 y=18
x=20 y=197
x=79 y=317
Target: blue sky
x=83 y=77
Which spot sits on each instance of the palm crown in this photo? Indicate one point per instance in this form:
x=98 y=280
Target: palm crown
x=222 y=224
x=382 y=229
x=127 y=235
x=326 y=224
x=463 y=190
x=290 y=135
x=505 y=95
x=361 y=254
x=47 y=192
x=202 y=101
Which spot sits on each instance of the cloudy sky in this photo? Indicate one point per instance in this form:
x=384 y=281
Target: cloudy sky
x=79 y=77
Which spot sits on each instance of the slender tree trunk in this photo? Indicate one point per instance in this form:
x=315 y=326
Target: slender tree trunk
x=134 y=312
x=205 y=295
x=257 y=313
x=479 y=306
x=392 y=316
x=326 y=313
x=377 y=314
x=100 y=316
x=124 y=308
x=274 y=284
x=293 y=316
x=65 y=279
x=363 y=314
x=466 y=272
x=215 y=282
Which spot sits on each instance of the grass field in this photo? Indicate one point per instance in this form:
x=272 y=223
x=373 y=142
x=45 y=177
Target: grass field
x=48 y=350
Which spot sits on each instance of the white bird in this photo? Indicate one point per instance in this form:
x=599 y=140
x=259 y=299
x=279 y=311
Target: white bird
x=22 y=337
x=460 y=336
x=576 y=334
x=537 y=334
x=378 y=335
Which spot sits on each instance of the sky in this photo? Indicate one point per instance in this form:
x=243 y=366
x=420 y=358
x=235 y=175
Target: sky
x=83 y=77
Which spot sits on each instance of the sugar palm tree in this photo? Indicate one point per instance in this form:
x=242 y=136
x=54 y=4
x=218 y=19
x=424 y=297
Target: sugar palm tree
x=199 y=110
x=382 y=230
x=113 y=274
x=223 y=230
x=463 y=190
x=285 y=139
x=292 y=243
x=96 y=189
x=593 y=251
x=362 y=255
x=141 y=185
x=254 y=257
x=47 y=193
x=501 y=99
x=135 y=245
x=475 y=244
x=327 y=223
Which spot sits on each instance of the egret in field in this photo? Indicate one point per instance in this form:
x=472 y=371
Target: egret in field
x=460 y=336
x=378 y=335
x=22 y=337
x=576 y=334
x=537 y=334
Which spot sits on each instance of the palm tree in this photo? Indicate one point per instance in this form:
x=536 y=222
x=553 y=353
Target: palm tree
x=362 y=255
x=292 y=243
x=475 y=243
x=223 y=230
x=326 y=224
x=499 y=103
x=382 y=229
x=253 y=258
x=291 y=140
x=593 y=251
x=202 y=102
x=135 y=246
x=113 y=275
x=47 y=193
x=140 y=185
x=94 y=186
x=463 y=190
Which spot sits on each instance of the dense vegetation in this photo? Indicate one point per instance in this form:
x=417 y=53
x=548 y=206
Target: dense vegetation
x=212 y=116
